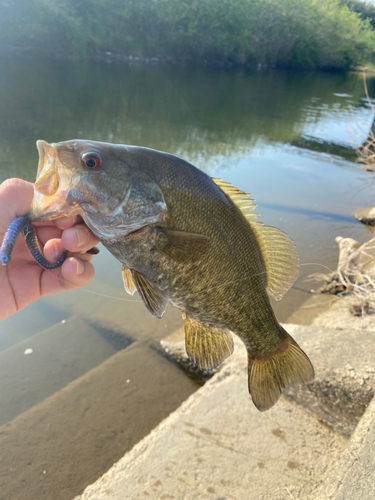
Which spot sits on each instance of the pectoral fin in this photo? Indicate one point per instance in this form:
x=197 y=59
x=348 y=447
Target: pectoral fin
x=207 y=347
x=181 y=246
x=127 y=278
x=153 y=298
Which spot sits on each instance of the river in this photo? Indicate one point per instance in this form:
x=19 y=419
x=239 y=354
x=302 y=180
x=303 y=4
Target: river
x=82 y=375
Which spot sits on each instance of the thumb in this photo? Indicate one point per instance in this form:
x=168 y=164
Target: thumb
x=15 y=200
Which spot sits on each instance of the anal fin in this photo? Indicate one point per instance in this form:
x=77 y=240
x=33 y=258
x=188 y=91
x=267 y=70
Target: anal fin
x=269 y=376
x=152 y=297
x=206 y=347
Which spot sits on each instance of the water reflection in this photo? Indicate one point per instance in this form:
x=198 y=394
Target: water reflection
x=198 y=114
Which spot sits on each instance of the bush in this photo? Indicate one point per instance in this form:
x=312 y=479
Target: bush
x=294 y=33
x=365 y=9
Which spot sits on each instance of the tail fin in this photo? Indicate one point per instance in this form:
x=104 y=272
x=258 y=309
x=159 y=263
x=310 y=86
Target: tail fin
x=269 y=376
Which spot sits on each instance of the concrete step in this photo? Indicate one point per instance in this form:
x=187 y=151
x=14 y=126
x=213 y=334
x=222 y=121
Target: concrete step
x=354 y=473
x=344 y=362
x=344 y=385
x=72 y=437
x=35 y=318
x=59 y=355
x=217 y=445
x=113 y=308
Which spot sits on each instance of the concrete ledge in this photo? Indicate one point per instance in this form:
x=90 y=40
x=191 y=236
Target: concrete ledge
x=354 y=474
x=217 y=445
x=344 y=385
x=66 y=441
x=344 y=362
x=57 y=356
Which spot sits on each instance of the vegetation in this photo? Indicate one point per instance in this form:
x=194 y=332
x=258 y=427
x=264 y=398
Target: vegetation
x=365 y=9
x=294 y=33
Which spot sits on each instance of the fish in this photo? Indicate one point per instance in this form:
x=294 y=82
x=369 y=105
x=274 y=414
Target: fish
x=187 y=239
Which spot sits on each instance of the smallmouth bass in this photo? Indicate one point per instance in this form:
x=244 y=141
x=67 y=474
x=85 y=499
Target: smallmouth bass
x=185 y=238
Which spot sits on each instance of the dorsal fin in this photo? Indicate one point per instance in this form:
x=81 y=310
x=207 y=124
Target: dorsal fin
x=279 y=252
x=244 y=201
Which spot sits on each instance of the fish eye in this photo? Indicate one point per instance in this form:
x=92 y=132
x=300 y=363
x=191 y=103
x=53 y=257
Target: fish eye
x=91 y=160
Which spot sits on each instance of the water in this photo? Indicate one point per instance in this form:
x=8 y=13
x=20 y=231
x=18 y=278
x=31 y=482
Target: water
x=97 y=380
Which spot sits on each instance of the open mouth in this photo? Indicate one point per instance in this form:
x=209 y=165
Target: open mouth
x=51 y=187
x=48 y=178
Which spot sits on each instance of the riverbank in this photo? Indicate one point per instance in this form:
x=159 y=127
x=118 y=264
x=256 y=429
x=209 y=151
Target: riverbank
x=291 y=34
x=137 y=58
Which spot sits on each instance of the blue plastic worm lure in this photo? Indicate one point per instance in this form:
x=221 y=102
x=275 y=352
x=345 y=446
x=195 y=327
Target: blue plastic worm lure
x=22 y=224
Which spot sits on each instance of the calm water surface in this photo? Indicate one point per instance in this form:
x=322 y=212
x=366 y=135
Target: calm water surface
x=251 y=129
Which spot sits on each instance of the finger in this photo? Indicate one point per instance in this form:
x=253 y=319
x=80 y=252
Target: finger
x=53 y=249
x=15 y=200
x=72 y=274
x=47 y=233
x=78 y=239
x=76 y=272
x=67 y=222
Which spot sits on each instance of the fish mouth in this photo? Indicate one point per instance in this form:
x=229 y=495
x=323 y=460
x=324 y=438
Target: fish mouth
x=51 y=187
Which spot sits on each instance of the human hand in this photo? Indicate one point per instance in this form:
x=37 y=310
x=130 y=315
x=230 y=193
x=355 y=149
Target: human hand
x=23 y=280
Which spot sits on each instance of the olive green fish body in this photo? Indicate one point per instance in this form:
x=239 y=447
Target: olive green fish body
x=187 y=239
x=223 y=286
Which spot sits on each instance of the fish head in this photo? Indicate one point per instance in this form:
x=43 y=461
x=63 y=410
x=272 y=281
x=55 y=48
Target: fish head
x=98 y=181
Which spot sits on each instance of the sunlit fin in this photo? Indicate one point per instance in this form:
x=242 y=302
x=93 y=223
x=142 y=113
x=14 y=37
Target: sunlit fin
x=127 y=278
x=48 y=183
x=279 y=252
x=206 y=347
x=281 y=258
x=269 y=376
x=181 y=246
x=243 y=200
x=153 y=298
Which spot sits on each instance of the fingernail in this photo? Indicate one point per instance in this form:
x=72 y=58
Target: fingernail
x=83 y=236
x=79 y=267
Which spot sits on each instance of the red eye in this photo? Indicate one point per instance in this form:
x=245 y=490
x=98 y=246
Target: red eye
x=91 y=160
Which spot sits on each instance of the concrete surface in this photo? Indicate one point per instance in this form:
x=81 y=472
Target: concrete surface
x=353 y=476
x=218 y=446
x=121 y=311
x=53 y=359
x=344 y=363
x=66 y=441
x=344 y=384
